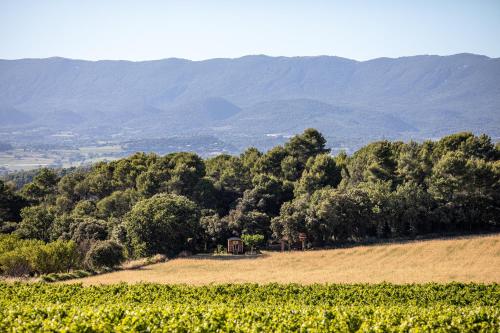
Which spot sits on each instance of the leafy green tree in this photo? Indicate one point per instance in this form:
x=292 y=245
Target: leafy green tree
x=291 y=168
x=229 y=178
x=126 y=170
x=467 y=189
x=413 y=210
x=61 y=227
x=250 y=158
x=240 y=221
x=292 y=219
x=84 y=208
x=410 y=167
x=465 y=142
x=187 y=170
x=321 y=171
x=63 y=204
x=98 y=183
x=228 y=173
x=88 y=230
x=10 y=203
x=215 y=229
x=306 y=145
x=36 y=223
x=177 y=173
x=70 y=186
x=161 y=224
x=117 y=204
x=268 y=194
x=293 y=157
x=252 y=240
x=270 y=162
x=373 y=163
x=42 y=187
x=338 y=216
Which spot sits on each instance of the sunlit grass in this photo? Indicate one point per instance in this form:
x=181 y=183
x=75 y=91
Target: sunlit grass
x=469 y=259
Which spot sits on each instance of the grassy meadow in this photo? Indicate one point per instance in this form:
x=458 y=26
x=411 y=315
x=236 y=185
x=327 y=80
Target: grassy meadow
x=465 y=259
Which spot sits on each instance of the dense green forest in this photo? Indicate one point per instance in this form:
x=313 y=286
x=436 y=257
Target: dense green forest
x=147 y=204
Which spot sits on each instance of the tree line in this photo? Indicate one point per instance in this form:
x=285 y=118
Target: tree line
x=151 y=204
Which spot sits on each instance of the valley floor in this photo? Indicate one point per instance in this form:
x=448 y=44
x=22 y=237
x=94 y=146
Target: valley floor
x=464 y=259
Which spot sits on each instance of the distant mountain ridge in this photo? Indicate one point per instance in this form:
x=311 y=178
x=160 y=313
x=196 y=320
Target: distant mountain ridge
x=248 y=97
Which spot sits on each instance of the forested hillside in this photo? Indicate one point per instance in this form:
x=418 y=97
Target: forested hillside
x=241 y=101
x=147 y=204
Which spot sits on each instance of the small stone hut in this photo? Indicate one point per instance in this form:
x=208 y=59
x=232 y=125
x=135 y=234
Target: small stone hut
x=235 y=245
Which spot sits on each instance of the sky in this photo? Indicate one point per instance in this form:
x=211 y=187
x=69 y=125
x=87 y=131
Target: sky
x=196 y=30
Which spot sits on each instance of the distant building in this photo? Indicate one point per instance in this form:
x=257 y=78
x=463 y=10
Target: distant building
x=235 y=245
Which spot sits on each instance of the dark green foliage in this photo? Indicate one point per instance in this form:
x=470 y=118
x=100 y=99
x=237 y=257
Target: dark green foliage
x=163 y=224
x=166 y=204
x=321 y=171
x=117 y=204
x=88 y=229
x=306 y=145
x=292 y=219
x=216 y=230
x=42 y=187
x=335 y=215
x=36 y=223
x=10 y=203
x=104 y=254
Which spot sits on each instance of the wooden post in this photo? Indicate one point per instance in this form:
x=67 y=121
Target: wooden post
x=302 y=238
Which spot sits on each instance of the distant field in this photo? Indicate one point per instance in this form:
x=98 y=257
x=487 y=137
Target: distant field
x=467 y=259
x=19 y=159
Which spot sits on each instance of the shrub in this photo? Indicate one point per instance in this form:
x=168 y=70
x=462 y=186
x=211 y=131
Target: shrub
x=58 y=256
x=104 y=254
x=15 y=263
x=252 y=240
x=20 y=257
x=16 y=255
x=8 y=227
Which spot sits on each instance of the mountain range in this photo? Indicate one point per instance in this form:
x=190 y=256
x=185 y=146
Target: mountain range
x=252 y=100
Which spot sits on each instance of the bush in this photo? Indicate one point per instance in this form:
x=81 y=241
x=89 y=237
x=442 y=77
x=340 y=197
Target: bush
x=15 y=263
x=104 y=254
x=59 y=256
x=16 y=255
x=8 y=227
x=19 y=257
x=252 y=240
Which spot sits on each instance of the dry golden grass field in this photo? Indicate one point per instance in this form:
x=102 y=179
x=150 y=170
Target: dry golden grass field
x=467 y=259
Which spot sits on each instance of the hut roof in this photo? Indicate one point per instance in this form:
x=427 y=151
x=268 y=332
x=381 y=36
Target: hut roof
x=234 y=238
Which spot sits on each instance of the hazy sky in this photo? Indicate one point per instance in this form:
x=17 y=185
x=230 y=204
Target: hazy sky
x=141 y=30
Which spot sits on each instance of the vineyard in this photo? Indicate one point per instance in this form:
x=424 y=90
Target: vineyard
x=250 y=308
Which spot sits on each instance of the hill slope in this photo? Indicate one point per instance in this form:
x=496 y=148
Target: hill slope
x=468 y=259
x=418 y=97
